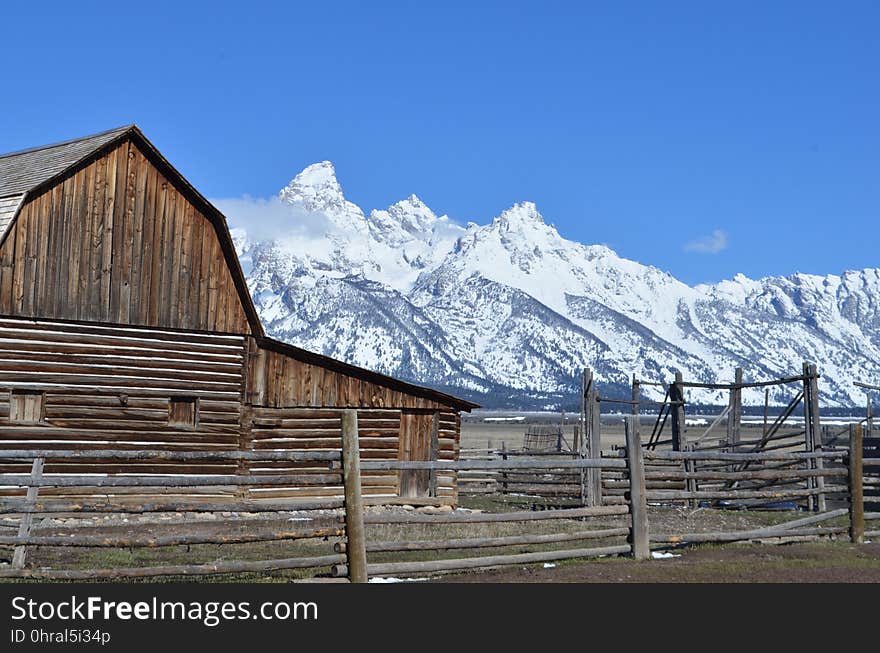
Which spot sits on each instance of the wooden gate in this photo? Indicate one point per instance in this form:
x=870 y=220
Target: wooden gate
x=418 y=441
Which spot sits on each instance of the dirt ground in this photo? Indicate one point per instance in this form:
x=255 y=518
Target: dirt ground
x=826 y=562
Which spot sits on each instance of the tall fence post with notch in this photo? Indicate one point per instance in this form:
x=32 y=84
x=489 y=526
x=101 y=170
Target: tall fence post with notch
x=641 y=549
x=676 y=397
x=734 y=413
x=356 y=549
x=584 y=440
x=816 y=435
x=24 y=528
x=856 y=496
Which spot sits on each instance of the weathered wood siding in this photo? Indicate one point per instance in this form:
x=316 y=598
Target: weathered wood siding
x=297 y=405
x=321 y=429
x=279 y=381
x=116 y=242
x=415 y=444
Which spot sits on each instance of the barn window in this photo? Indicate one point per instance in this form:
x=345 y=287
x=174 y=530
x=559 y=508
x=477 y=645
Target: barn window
x=183 y=412
x=26 y=406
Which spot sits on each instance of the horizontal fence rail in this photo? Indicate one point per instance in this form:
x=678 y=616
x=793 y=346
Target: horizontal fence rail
x=313 y=533
x=625 y=520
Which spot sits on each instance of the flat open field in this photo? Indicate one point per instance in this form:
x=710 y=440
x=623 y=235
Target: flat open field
x=476 y=433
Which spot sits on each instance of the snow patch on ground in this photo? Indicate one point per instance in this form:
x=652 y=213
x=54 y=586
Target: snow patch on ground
x=663 y=555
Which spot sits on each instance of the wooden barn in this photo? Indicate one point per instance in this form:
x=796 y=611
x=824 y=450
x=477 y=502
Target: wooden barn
x=126 y=323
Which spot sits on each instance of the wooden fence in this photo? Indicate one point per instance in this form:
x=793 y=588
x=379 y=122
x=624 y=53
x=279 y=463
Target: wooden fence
x=106 y=495
x=562 y=485
x=363 y=544
x=702 y=479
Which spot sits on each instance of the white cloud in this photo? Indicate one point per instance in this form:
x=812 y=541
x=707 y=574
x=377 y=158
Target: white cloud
x=711 y=244
x=269 y=219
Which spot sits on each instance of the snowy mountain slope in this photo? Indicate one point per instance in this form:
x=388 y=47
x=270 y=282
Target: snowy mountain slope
x=510 y=312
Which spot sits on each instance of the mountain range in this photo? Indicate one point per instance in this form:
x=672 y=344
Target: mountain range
x=509 y=313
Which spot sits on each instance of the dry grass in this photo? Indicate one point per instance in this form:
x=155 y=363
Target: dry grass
x=669 y=520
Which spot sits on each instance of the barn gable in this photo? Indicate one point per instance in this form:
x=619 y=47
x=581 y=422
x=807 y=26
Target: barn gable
x=104 y=229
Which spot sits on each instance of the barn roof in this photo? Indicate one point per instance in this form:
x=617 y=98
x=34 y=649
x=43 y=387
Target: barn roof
x=28 y=172
x=24 y=170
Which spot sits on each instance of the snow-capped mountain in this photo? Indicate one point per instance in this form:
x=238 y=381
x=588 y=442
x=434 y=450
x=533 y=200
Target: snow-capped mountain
x=510 y=312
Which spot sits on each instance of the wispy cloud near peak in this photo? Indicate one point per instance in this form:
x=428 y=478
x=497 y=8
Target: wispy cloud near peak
x=711 y=244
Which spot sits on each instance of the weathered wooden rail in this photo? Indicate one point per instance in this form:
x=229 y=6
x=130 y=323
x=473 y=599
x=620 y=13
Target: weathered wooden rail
x=756 y=483
x=631 y=539
x=33 y=506
x=354 y=552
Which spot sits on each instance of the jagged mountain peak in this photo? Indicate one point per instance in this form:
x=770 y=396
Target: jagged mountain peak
x=521 y=214
x=413 y=202
x=317 y=180
x=316 y=189
x=410 y=215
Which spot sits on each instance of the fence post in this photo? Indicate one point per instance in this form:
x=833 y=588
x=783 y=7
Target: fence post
x=691 y=483
x=856 y=497
x=356 y=550
x=584 y=434
x=24 y=528
x=503 y=471
x=816 y=433
x=734 y=415
x=638 y=504
x=594 y=474
x=809 y=444
x=676 y=395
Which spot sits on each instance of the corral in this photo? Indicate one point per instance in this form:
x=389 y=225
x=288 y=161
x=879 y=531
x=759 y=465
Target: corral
x=341 y=540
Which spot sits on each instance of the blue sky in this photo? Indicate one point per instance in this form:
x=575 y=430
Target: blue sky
x=704 y=138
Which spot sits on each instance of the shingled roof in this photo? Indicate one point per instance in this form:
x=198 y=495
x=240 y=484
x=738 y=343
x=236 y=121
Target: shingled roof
x=25 y=170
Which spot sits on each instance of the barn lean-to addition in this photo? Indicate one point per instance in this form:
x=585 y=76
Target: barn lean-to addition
x=126 y=323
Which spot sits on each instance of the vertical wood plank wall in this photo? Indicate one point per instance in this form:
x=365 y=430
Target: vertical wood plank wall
x=116 y=242
x=276 y=380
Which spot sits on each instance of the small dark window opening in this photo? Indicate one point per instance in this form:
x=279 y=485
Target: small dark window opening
x=183 y=412
x=26 y=406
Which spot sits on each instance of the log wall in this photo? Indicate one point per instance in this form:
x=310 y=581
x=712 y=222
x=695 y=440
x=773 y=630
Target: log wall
x=111 y=388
